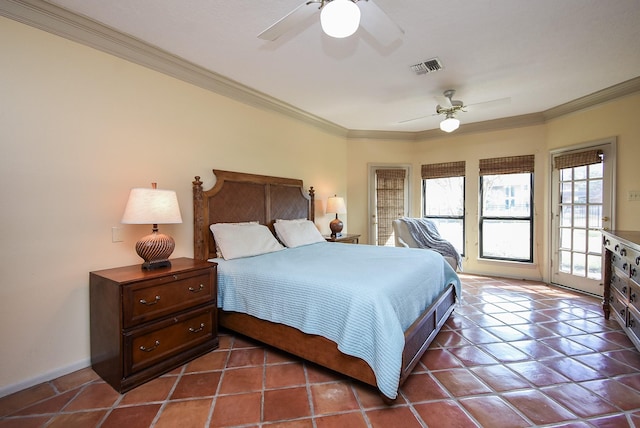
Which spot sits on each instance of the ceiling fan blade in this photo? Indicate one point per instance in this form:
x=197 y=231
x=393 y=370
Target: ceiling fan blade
x=418 y=118
x=378 y=23
x=488 y=104
x=290 y=21
x=444 y=102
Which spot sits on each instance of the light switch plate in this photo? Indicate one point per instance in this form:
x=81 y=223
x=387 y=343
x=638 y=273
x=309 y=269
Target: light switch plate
x=634 y=195
x=116 y=234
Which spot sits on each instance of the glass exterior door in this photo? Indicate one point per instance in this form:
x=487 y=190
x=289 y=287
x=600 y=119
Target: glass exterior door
x=581 y=208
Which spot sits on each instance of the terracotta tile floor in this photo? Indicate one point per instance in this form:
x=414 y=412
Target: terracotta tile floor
x=514 y=354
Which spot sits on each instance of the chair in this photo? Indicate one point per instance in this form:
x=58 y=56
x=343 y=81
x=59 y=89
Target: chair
x=403 y=238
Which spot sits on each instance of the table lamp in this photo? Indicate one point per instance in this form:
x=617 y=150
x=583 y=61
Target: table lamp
x=153 y=206
x=336 y=205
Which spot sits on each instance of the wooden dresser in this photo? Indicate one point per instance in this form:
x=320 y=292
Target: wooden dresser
x=622 y=280
x=147 y=322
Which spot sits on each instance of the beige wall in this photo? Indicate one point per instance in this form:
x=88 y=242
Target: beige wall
x=78 y=129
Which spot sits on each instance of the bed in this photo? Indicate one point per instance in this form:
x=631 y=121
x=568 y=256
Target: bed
x=242 y=198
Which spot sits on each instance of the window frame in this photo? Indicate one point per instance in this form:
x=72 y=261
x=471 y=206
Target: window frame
x=529 y=218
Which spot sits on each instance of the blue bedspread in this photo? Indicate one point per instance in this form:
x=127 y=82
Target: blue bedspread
x=362 y=297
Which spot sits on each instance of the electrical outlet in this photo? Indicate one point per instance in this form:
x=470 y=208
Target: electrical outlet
x=116 y=234
x=634 y=195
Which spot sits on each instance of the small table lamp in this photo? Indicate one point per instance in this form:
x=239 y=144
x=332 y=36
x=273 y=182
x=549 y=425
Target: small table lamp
x=153 y=206
x=336 y=205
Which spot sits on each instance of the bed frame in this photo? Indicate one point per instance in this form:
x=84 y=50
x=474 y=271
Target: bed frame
x=240 y=197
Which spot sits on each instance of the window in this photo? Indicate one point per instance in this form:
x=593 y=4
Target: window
x=506 y=208
x=443 y=200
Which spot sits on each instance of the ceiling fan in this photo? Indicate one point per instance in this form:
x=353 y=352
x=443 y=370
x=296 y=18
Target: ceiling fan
x=450 y=108
x=339 y=18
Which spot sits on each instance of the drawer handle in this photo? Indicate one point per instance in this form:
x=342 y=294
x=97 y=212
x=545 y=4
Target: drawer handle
x=638 y=261
x=632 y=323
x=616 y=248
x=197 y=290
x=155 y=345
x=197 y=330
x=607 y=242
x=633 y=271
x=623 y=252
x=144 y=302
x=622 y=313
x=632 y=298
x=624 y=290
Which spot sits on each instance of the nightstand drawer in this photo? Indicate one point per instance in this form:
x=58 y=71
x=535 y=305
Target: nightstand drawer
x=159 y=341
x=152 y=299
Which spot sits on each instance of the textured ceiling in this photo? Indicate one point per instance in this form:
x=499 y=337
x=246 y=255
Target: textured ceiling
x=538 y=54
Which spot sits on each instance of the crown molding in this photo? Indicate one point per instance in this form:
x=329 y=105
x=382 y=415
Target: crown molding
x=611 y=93
x=61 y=22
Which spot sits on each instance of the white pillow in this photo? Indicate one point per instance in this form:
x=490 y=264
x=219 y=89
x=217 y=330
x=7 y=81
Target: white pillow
x=244 y=240
x=297 y=220
x=218 y=252
x=294 y=233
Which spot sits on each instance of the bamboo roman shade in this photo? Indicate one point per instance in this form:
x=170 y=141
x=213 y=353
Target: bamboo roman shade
x=443 y=170
x=571 y=160
x=389 y=201
x=507 y=165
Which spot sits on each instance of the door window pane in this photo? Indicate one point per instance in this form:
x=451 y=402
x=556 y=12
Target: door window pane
x=595 y=191
x=594 y=264
x=595 y=216
x=579 y=240
x=595 y=243
x=565 y=261
x=566 y=215
x=579 y=192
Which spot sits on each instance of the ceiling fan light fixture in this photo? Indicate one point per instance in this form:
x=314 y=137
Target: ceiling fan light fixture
x=340 y=18
x=449 y=124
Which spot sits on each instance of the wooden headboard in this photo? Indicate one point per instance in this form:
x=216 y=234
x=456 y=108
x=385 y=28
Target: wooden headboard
x=239 y=197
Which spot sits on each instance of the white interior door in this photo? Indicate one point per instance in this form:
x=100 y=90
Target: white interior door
x=582 y=197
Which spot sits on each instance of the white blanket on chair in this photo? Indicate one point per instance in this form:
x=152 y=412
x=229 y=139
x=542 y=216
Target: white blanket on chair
x=426 y=235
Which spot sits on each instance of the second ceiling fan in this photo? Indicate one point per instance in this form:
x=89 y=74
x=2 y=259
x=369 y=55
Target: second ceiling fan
x=450 y=108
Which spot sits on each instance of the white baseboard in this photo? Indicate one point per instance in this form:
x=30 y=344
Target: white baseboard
x=45 y=377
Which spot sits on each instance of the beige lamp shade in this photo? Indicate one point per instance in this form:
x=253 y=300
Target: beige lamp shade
x=336 y=205
x=153 y=206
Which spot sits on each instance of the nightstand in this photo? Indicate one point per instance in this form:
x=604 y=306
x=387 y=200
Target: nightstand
x=147 y=322
x=345 y=239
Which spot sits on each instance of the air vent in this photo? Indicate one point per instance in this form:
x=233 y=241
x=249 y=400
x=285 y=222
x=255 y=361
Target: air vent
x=427 y=66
